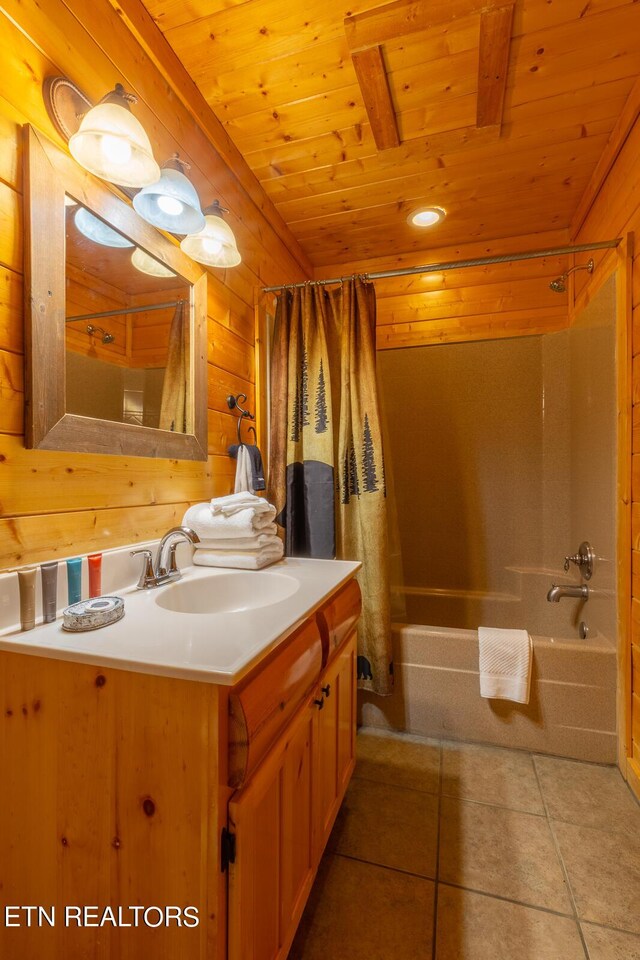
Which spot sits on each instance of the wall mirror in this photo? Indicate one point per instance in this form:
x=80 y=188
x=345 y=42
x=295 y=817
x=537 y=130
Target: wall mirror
x=116 y=321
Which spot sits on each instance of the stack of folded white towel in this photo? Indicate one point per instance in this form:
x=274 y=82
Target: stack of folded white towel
x=235 y=531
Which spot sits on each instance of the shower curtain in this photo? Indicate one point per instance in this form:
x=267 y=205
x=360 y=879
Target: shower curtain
x=174 y=406
x=326 y=472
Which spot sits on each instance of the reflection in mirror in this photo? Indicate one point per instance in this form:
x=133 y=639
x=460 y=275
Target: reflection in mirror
x=127 y=329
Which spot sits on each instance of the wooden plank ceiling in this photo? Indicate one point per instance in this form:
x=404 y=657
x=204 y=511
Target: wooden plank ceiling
x=354 y=115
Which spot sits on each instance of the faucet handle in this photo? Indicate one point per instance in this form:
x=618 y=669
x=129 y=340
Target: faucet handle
x=584 y=559
x=147 y=577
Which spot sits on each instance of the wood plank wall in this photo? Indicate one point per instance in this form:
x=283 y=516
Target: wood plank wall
x=475 y=303
x=57 y=504
x=615 y=211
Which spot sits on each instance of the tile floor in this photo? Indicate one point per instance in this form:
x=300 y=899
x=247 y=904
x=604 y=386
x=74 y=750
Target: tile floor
x=454 y=851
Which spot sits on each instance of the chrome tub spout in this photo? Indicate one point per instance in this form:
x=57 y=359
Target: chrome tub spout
x=557 y=592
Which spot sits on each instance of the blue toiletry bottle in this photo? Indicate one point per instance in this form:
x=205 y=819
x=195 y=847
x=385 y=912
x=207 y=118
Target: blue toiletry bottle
x=74 y=579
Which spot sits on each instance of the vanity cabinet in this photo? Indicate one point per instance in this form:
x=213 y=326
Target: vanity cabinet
x=282 y=817
x=125 y=788
x=335 y=740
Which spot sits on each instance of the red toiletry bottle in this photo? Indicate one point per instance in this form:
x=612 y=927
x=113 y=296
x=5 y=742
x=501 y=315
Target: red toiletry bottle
x=95 y=574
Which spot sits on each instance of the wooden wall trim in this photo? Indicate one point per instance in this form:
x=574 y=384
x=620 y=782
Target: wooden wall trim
x=624 y=356
x=615 y=143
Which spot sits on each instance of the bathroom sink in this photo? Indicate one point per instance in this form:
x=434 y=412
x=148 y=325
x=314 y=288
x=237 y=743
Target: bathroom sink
x=227 y=592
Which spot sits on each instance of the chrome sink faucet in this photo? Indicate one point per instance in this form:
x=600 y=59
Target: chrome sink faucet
x=165 y=568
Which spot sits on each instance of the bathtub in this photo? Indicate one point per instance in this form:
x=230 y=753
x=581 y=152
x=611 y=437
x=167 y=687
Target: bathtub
x=572 y=711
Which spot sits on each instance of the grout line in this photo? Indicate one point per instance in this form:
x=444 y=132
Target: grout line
x=498 y=896
x=399 y=786
x=460 y=886
x=563 y=867
x=434 y=932
x=382 y=866
x=488 y=803
x=608 y=926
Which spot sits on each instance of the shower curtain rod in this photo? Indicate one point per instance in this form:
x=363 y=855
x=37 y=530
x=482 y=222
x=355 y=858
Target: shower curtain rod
x=117 y=313
x=453 y=265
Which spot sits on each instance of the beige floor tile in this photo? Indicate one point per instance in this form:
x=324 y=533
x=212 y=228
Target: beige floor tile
x=501 y=851
x=357 y=911
x=472 y=926
x=604 y=873
x=607 y=944
x=587 y=794
x=400 y=760
x=388 y=825
x=492 y=775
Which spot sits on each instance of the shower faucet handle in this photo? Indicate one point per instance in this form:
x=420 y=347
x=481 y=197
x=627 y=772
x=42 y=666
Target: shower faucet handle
x=585 y=557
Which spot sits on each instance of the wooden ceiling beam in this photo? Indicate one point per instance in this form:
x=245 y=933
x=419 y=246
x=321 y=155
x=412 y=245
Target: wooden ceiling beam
x=402 y=17
x=374 y=86
x=493 y=64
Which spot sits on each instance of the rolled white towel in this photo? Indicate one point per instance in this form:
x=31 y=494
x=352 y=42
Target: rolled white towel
x=505 y=659
x=244 y=560
x=244 y=523
x=240 y=543
x=240 y=501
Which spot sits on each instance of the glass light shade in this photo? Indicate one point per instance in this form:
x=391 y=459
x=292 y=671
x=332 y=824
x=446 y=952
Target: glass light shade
x=147 y=264
x=94 y=229
x=214 y=246
x=113 y=145
x=171 y=203
x=426 y=217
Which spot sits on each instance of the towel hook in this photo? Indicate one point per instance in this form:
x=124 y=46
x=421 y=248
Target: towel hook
x=234 y=404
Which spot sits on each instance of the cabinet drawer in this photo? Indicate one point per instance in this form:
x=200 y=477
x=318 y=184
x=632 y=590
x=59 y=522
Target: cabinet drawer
x=260 y=708
x=338 y=617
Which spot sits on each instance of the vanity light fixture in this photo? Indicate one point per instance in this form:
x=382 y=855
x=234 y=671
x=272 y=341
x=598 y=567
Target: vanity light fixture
x=215 y=246
x=145 y=263
x=111 y=143
x=426 y=216
x=171 y=203
x=95 y=229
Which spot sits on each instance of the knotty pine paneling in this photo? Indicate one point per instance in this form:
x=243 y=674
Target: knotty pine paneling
x=56 y=504
x=281 y=80
x=476 y=303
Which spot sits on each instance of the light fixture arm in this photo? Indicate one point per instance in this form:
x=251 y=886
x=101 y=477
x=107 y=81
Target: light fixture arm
x=176 y=163
x=120 y=96
x=215 y=210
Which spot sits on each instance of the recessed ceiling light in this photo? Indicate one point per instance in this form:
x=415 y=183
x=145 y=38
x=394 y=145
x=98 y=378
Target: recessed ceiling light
x=426 y=217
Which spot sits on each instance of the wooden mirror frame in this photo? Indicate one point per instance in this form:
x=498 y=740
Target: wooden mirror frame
x=49 y=175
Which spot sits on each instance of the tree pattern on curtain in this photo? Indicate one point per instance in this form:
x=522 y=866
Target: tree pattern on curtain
x=327 y=469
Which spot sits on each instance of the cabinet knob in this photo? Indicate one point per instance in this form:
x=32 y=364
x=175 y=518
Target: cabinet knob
x=327 y=690
x=319 y=703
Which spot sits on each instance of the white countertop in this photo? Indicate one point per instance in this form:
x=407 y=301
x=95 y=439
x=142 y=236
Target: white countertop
x=212 y=647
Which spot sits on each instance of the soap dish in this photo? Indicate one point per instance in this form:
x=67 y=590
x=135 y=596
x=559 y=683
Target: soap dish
x=92 y=614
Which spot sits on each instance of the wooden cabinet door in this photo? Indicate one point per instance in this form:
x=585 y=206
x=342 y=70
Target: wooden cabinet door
x=274 y=864
x=335 y=740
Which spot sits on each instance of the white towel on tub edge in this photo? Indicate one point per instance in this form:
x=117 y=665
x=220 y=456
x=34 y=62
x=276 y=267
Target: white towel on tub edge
x=505 y=659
